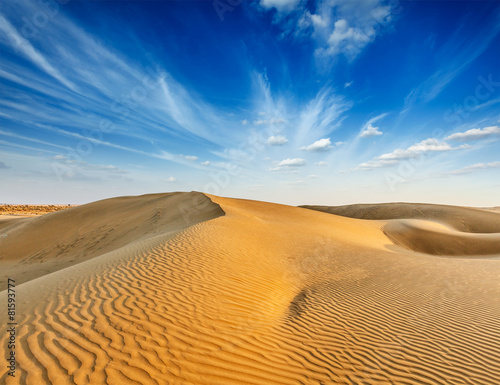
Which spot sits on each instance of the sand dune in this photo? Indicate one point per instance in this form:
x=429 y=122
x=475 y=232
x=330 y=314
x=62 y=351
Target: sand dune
x=232 y=291
x=433 y=238
x=60 y=239
x=464 y=219
x=431 y=229
x=11 y=220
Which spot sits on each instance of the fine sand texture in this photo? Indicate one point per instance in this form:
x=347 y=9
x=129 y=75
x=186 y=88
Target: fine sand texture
x=429 y=228
x=187 y=288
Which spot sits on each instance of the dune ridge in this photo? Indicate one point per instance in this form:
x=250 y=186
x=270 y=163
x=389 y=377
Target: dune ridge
x=60 y=239
x=430 y=228
x=465 y=219
x=264 y=294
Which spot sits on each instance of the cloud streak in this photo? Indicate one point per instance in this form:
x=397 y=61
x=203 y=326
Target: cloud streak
x=476 y=134
x=25 y=47
x=426 y=146
x=475 y=167
x=289 y=163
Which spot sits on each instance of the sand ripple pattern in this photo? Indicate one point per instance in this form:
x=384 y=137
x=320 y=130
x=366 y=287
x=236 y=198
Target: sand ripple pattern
x=263 y=295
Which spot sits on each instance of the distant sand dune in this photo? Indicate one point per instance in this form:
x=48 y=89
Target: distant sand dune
x=232 y=291
x=429 y=237
x=431 y=229
x=465 y=219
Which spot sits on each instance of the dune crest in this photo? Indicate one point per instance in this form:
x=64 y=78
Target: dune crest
x=431 y=229
x=465 y=219
x=264 y=294
x=31 y=247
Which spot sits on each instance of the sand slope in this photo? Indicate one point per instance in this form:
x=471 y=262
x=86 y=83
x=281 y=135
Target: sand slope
x=429 y=228
x=60 y=239
x=265 y=294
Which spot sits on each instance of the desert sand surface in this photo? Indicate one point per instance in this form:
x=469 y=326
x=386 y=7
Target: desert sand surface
x=187 y=288
x=430 y=228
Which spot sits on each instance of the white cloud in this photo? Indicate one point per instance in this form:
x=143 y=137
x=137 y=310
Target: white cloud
x=289 y=163
x=347 y=39
x=370 y=131
x=190 y=158
x=349 y=26
x=414 y=151
x=313 y=176
x=79 y=166
x=206 y=163
x=475 y=167
x=280 y=5
x=319 y=145
x=476 y=134
x=296 y=182
x=170 y=179
x=347 y=84
x=277 y=140
x=244 y=122
x=321 y=163
x=377 y=163
x=319 y=21
x=260 y=122
x=336 y=26
x=295 y=162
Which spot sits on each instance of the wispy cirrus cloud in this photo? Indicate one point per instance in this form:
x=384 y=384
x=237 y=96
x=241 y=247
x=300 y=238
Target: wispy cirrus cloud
x=474 y=167
x=84 y=166
x=260 y=122
x=143 y=102
x=320 y=116
x=24 y=46
x=190 y=158
x=457 y=54
x=34 y=140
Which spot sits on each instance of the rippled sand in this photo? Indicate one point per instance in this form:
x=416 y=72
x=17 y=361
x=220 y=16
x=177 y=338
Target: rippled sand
x=185 y=288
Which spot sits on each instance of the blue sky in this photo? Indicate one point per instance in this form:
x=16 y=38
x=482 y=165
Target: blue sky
x=327 y=102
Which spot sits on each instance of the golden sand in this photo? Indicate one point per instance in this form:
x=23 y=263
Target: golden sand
x=185 y=288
